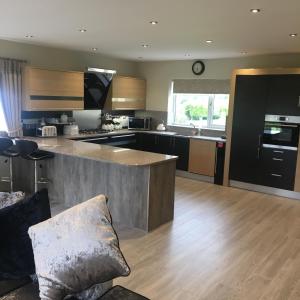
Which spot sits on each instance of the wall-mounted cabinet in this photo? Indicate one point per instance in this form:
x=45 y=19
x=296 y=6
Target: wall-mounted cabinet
x=202 y=157
x=52 y=90
x=127 y=93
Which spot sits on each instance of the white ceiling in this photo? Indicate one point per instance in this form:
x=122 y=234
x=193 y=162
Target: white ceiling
x=119 y=27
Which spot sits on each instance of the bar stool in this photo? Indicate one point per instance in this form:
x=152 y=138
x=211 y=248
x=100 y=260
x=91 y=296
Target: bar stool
x=29 y=150
x=9 y=150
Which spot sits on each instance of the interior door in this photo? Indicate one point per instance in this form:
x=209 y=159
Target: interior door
x=248 y=124
x=284 y=95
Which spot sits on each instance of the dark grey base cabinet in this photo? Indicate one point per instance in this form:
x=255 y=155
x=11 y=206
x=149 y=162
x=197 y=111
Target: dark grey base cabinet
x=278 y=168
x=164 y=144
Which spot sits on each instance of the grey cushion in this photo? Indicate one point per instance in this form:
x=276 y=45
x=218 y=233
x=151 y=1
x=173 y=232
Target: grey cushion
x=76 y=250
x=7 y=199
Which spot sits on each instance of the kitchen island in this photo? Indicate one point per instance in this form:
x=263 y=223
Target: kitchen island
x=139 y=185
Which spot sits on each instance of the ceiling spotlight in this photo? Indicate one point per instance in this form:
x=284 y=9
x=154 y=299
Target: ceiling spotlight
x=29 y=36
x=153 y=22
x=145 y=46
x=94 y=49
x=208 y=41
x=244 y=52
x=187 y=55
x=255 y=10
x=82 y=30
x=293 y=34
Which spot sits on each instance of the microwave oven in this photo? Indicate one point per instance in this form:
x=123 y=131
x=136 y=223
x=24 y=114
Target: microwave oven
x=139 y=123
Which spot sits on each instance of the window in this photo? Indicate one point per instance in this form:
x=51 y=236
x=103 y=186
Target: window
x=201 y=110
x=3 y=126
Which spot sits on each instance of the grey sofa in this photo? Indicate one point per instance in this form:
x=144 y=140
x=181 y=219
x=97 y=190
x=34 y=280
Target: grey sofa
x=27 y=290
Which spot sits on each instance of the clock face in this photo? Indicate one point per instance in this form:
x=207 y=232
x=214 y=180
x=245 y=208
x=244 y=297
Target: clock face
x=198 y=67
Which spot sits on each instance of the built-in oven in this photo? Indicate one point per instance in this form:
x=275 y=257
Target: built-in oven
x=281 y=131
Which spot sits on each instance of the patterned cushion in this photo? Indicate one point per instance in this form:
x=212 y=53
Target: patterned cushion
x=7 y=199
x=76 y=250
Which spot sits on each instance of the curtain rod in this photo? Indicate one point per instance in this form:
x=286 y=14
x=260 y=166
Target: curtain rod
x=19 y=60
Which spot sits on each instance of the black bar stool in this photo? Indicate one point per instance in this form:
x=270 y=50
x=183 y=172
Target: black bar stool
x=29 y=150
x=9 y=150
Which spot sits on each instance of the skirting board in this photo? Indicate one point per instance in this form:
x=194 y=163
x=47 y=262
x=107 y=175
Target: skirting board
x=264 y=189
x=194 y=176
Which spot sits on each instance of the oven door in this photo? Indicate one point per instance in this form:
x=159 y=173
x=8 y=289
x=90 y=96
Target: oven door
x=281 y=134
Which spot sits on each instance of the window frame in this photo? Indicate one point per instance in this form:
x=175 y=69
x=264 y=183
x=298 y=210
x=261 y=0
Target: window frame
x=210 y=124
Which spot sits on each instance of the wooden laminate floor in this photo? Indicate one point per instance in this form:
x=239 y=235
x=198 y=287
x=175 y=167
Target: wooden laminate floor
x=224 y=243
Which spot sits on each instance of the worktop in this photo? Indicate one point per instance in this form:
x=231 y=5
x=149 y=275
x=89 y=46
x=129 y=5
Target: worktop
x=126 y=131
x=63 y=145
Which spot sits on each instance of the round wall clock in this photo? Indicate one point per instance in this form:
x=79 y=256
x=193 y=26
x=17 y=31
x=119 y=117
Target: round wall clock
x=198 y=67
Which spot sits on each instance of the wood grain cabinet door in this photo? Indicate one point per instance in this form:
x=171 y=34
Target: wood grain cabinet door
x=128 y=93
x=202 y=157
x=53 y=90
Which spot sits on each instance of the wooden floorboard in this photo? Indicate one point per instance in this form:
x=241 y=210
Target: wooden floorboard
x=224 y=243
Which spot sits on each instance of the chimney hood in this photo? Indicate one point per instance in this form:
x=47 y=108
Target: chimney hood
x=97 y=84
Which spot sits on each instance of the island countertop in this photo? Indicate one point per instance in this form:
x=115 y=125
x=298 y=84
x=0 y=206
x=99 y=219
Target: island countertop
x=105 y=153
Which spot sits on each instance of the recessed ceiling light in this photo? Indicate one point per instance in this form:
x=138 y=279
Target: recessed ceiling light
x=187 y=55
x=94 y=49
x=82 y=30
x=153 y=22
x=255 y=10
x=29 y=36
x=244 y=52
x=293 y=34
x=145 y=45
x=208 y=41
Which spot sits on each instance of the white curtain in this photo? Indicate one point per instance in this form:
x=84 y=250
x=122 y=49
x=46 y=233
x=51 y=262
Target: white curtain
x=11 y=94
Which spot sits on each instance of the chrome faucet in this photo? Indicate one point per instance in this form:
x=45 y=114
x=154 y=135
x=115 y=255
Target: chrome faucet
x=195 y=131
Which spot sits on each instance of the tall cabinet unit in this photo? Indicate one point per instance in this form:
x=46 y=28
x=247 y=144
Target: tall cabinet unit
x=247 y=129
x=255 y=94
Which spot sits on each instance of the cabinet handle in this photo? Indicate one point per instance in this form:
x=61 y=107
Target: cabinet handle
x=275 y=175
x=299 y=101
x=124 y=135
x=259 y=146
x=277 y=159
x=278 y=151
